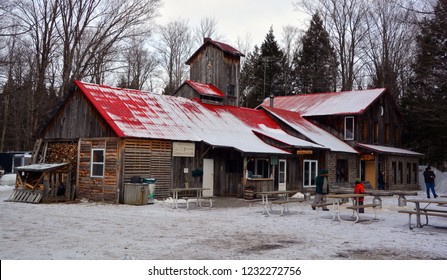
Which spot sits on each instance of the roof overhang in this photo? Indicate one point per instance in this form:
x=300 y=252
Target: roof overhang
x=388 y=150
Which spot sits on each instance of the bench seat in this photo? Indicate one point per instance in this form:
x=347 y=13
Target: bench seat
x=284 y=203
x=356 y=207
x=425 y=212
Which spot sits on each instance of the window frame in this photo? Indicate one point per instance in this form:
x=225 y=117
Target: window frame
x=352 y=126
x=97 y=163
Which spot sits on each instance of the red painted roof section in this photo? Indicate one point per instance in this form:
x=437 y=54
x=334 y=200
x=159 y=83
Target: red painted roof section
x=332 y=103
x=139 y=114
x=205 y=89
x=222 y=46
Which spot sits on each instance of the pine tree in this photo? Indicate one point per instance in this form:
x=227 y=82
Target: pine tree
x=262 y=74
x=315 y=65
x=425 y=107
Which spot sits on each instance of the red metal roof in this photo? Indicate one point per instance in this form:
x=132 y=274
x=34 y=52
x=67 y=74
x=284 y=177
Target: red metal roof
x=134 y=113
x=205 y=89
x=333 y=103
x=224 y=47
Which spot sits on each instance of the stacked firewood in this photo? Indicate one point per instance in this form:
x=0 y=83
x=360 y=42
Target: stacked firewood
x=58 y=152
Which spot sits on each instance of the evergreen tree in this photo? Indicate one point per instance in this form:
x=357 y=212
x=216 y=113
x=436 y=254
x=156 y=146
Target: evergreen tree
x=315 y=65
x=262 y=74
x=425 y=107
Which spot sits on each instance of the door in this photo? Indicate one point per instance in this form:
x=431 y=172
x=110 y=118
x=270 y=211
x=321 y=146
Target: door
x=208 y=176
x=282 y=175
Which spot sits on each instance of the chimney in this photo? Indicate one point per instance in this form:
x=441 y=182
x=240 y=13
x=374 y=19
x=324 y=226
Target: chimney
x=207 y=39
x=272 y=97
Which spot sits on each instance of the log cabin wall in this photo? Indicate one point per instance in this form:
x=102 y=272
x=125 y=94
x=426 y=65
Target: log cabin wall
x=107 y=187
x=149 y=159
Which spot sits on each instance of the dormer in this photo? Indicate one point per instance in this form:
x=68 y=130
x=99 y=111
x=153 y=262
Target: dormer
x=206 y=93
x=218 y=64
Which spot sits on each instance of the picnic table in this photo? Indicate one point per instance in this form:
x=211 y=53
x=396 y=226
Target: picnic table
x=283 y=200
x=425 y=210
x=187 y=191
x=337 y=199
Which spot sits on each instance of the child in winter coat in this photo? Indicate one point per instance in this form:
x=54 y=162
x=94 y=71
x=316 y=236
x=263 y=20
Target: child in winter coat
x=359 y=189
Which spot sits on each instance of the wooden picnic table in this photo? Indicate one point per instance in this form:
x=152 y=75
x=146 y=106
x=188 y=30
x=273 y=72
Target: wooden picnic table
x=197 y=191
x=418 y=210
x=284 y=195
x=337 y=198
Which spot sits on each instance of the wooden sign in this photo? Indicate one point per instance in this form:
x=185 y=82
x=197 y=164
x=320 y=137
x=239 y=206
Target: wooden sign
x=304 y=152
x=183 y=149
x=367 y=157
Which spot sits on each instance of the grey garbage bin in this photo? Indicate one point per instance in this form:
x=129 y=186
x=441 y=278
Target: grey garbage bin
x=151 y=182
x=136 y=194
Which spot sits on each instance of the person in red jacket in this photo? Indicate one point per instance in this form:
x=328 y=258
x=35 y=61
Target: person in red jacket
x=359 y=189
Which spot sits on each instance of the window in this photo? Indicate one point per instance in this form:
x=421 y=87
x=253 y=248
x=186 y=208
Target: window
x=376 y=132
x=415 y=173
x=408 y=171
x=310 y=173
x=349 y=128
x=342 y=170
x=400 y=173
x=97 y=163
x=259 y=167
x=365 y=131
x=230 y=90
x=387 y=134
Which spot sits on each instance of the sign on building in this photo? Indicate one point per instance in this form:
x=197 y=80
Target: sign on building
x=183 y=149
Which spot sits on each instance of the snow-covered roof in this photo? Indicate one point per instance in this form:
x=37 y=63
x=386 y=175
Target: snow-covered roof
x=332 y=103
x=134 y=113
x=41 y=167
x=388 y=150
x=311 y=131
x=205 y=89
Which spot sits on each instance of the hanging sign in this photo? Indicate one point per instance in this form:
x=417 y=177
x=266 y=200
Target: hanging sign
x=304 y=152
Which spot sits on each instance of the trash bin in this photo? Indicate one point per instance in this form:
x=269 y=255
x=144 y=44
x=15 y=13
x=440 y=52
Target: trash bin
x=136 y=194
x=151 y=182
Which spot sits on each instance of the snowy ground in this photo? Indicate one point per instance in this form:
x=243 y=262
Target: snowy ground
x=228 y=231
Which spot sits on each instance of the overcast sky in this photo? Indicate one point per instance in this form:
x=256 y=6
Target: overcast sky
x=236 y=18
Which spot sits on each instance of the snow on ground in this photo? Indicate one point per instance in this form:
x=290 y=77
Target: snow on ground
x=229 y=231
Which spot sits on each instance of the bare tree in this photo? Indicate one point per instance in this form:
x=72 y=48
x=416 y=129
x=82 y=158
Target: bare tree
x=290 y=44
x=139 y=65
x=92 y=30
x=207 y=29
x=175 y=48
x=345 y=21
x=244 y=45
x=389 y=47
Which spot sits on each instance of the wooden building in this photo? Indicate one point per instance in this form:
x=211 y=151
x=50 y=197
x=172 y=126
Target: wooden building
x=367 y=120
x=216 y=64
x=111 y=135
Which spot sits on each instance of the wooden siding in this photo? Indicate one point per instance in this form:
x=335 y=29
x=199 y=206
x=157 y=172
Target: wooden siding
x=213 y=66
x=149 y=159
x=77 y=118
x=104 y=188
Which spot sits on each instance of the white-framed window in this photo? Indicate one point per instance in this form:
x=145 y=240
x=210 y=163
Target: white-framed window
x=97 y=163
x=349 y=128
x=310 y=173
